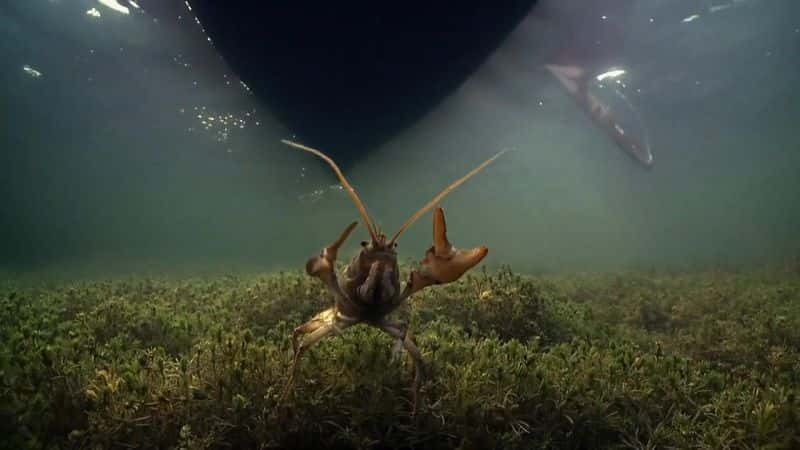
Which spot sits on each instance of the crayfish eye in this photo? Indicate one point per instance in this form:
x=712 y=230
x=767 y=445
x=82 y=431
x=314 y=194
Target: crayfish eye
x=363 y=243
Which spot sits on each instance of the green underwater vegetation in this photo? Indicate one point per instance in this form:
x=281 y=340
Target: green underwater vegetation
x=630 y=360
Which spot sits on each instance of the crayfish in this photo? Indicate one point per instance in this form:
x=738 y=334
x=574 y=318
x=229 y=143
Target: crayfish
x=370 y=288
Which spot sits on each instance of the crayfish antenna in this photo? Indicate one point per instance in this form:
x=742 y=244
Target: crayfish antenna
x=344 y=182
x=442 y=194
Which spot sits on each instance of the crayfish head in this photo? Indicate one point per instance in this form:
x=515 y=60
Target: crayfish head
x=379 y=245
x=372 y=278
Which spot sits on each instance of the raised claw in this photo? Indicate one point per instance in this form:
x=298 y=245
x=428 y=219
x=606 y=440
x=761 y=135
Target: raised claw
x=323 y=265
x=324 y=262
x=443 y=263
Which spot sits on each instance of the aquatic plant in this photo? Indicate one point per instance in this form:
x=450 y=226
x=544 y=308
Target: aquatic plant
x=629 y=360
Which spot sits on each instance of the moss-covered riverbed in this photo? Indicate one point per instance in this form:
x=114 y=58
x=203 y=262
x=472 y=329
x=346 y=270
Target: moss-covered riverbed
x=635 y=360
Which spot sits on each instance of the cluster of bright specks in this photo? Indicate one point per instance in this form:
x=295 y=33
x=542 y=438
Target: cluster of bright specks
x=219 y=125
x=317 y=194
x=215 y=122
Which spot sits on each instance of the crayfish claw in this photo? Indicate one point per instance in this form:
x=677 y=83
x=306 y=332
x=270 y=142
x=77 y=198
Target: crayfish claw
x=449 y=268
x=323 y=266
x=443 y=263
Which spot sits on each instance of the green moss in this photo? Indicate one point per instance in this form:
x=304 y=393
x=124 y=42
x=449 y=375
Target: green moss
x=583 y=361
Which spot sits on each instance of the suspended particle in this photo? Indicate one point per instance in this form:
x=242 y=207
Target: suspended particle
x=31 y=71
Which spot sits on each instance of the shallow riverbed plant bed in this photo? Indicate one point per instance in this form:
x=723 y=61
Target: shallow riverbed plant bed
x=631 y=360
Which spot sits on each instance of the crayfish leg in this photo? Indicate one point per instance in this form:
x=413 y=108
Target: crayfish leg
x=306 y=335
x=401 y=334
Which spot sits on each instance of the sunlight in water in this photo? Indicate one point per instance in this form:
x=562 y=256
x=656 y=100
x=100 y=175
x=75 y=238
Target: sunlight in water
x=112 y=4
x=610 y=74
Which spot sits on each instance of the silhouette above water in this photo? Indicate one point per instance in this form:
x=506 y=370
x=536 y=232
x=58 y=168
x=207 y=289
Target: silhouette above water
x=591 y=46
x=347 y=77
x=351 y=78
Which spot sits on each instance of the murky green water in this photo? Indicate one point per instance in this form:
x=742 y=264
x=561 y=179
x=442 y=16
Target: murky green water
x=154 y=231
x=129 y=145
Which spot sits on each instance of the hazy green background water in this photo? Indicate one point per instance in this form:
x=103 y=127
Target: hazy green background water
x=106 y=166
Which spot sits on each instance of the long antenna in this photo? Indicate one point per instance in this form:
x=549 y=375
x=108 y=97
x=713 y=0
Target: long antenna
x=344 y=181
x=441 y=195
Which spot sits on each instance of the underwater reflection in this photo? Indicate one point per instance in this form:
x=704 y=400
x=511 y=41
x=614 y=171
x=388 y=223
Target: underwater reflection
x=603 y=98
